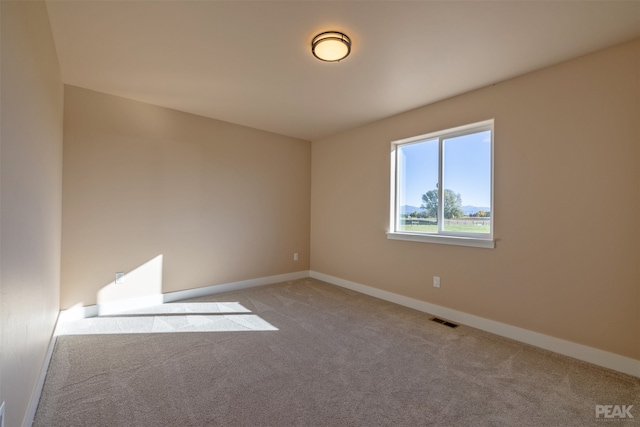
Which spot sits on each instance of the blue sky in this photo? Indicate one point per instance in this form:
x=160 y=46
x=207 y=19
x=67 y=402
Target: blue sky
x=467 y=166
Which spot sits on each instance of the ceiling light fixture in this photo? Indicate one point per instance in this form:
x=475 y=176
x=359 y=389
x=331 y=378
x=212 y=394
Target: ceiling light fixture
x=331 y=46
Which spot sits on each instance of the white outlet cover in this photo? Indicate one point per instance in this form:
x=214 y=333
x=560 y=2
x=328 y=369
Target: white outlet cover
x=119 y=277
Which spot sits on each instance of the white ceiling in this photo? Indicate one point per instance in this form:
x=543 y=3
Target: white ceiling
x=250 y=62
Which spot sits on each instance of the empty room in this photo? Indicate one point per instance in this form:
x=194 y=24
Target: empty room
x=319 y=213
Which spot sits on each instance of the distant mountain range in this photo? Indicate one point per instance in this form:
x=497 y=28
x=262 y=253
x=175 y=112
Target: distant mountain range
x=467 y=209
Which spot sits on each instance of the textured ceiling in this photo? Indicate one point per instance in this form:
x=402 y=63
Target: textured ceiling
x=250 y=63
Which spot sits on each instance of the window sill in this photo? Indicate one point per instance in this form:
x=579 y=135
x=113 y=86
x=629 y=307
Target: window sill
x=444 y=240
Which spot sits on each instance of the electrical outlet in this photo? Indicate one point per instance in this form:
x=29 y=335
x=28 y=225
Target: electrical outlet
x=436 y=281
x=295 y=256
x=119 y=277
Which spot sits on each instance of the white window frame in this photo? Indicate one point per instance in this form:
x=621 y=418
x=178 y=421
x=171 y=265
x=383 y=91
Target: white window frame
x=481 y=240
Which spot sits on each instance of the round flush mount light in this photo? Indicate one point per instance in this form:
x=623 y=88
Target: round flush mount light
x=331 y=46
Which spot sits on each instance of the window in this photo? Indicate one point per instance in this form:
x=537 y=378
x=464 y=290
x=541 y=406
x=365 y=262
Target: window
x=442 y=187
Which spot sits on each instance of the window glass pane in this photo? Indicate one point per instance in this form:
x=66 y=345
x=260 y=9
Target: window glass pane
x=467 y=183
x=417 y=182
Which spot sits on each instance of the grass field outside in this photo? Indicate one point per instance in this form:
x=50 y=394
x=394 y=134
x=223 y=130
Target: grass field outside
x=459 y=226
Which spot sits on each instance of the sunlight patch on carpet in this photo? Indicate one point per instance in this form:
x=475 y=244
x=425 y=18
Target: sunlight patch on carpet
x=171 y=318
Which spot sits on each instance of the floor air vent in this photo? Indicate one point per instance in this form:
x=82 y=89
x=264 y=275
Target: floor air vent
x=444 y=322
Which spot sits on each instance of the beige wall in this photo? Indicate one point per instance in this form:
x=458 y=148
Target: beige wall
x=220 y=202
x=567 y=205
x=30 y=200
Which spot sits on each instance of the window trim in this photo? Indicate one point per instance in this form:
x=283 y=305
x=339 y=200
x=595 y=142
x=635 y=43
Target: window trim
x=481 y=240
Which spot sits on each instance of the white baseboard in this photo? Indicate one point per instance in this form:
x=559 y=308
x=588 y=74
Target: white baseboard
x=114 y=307
x=578 y=351
x=234 y=286
x=35 y=398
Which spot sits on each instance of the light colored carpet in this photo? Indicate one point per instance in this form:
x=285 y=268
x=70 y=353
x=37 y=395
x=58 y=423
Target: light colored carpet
x=314 y=355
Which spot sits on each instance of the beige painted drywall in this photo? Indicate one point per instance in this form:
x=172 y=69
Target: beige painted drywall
x=30 y=200
x=567 y=205
x=181 y=200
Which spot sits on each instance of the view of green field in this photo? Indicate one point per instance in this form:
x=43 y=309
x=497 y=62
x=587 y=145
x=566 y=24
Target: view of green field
x=460 y=228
